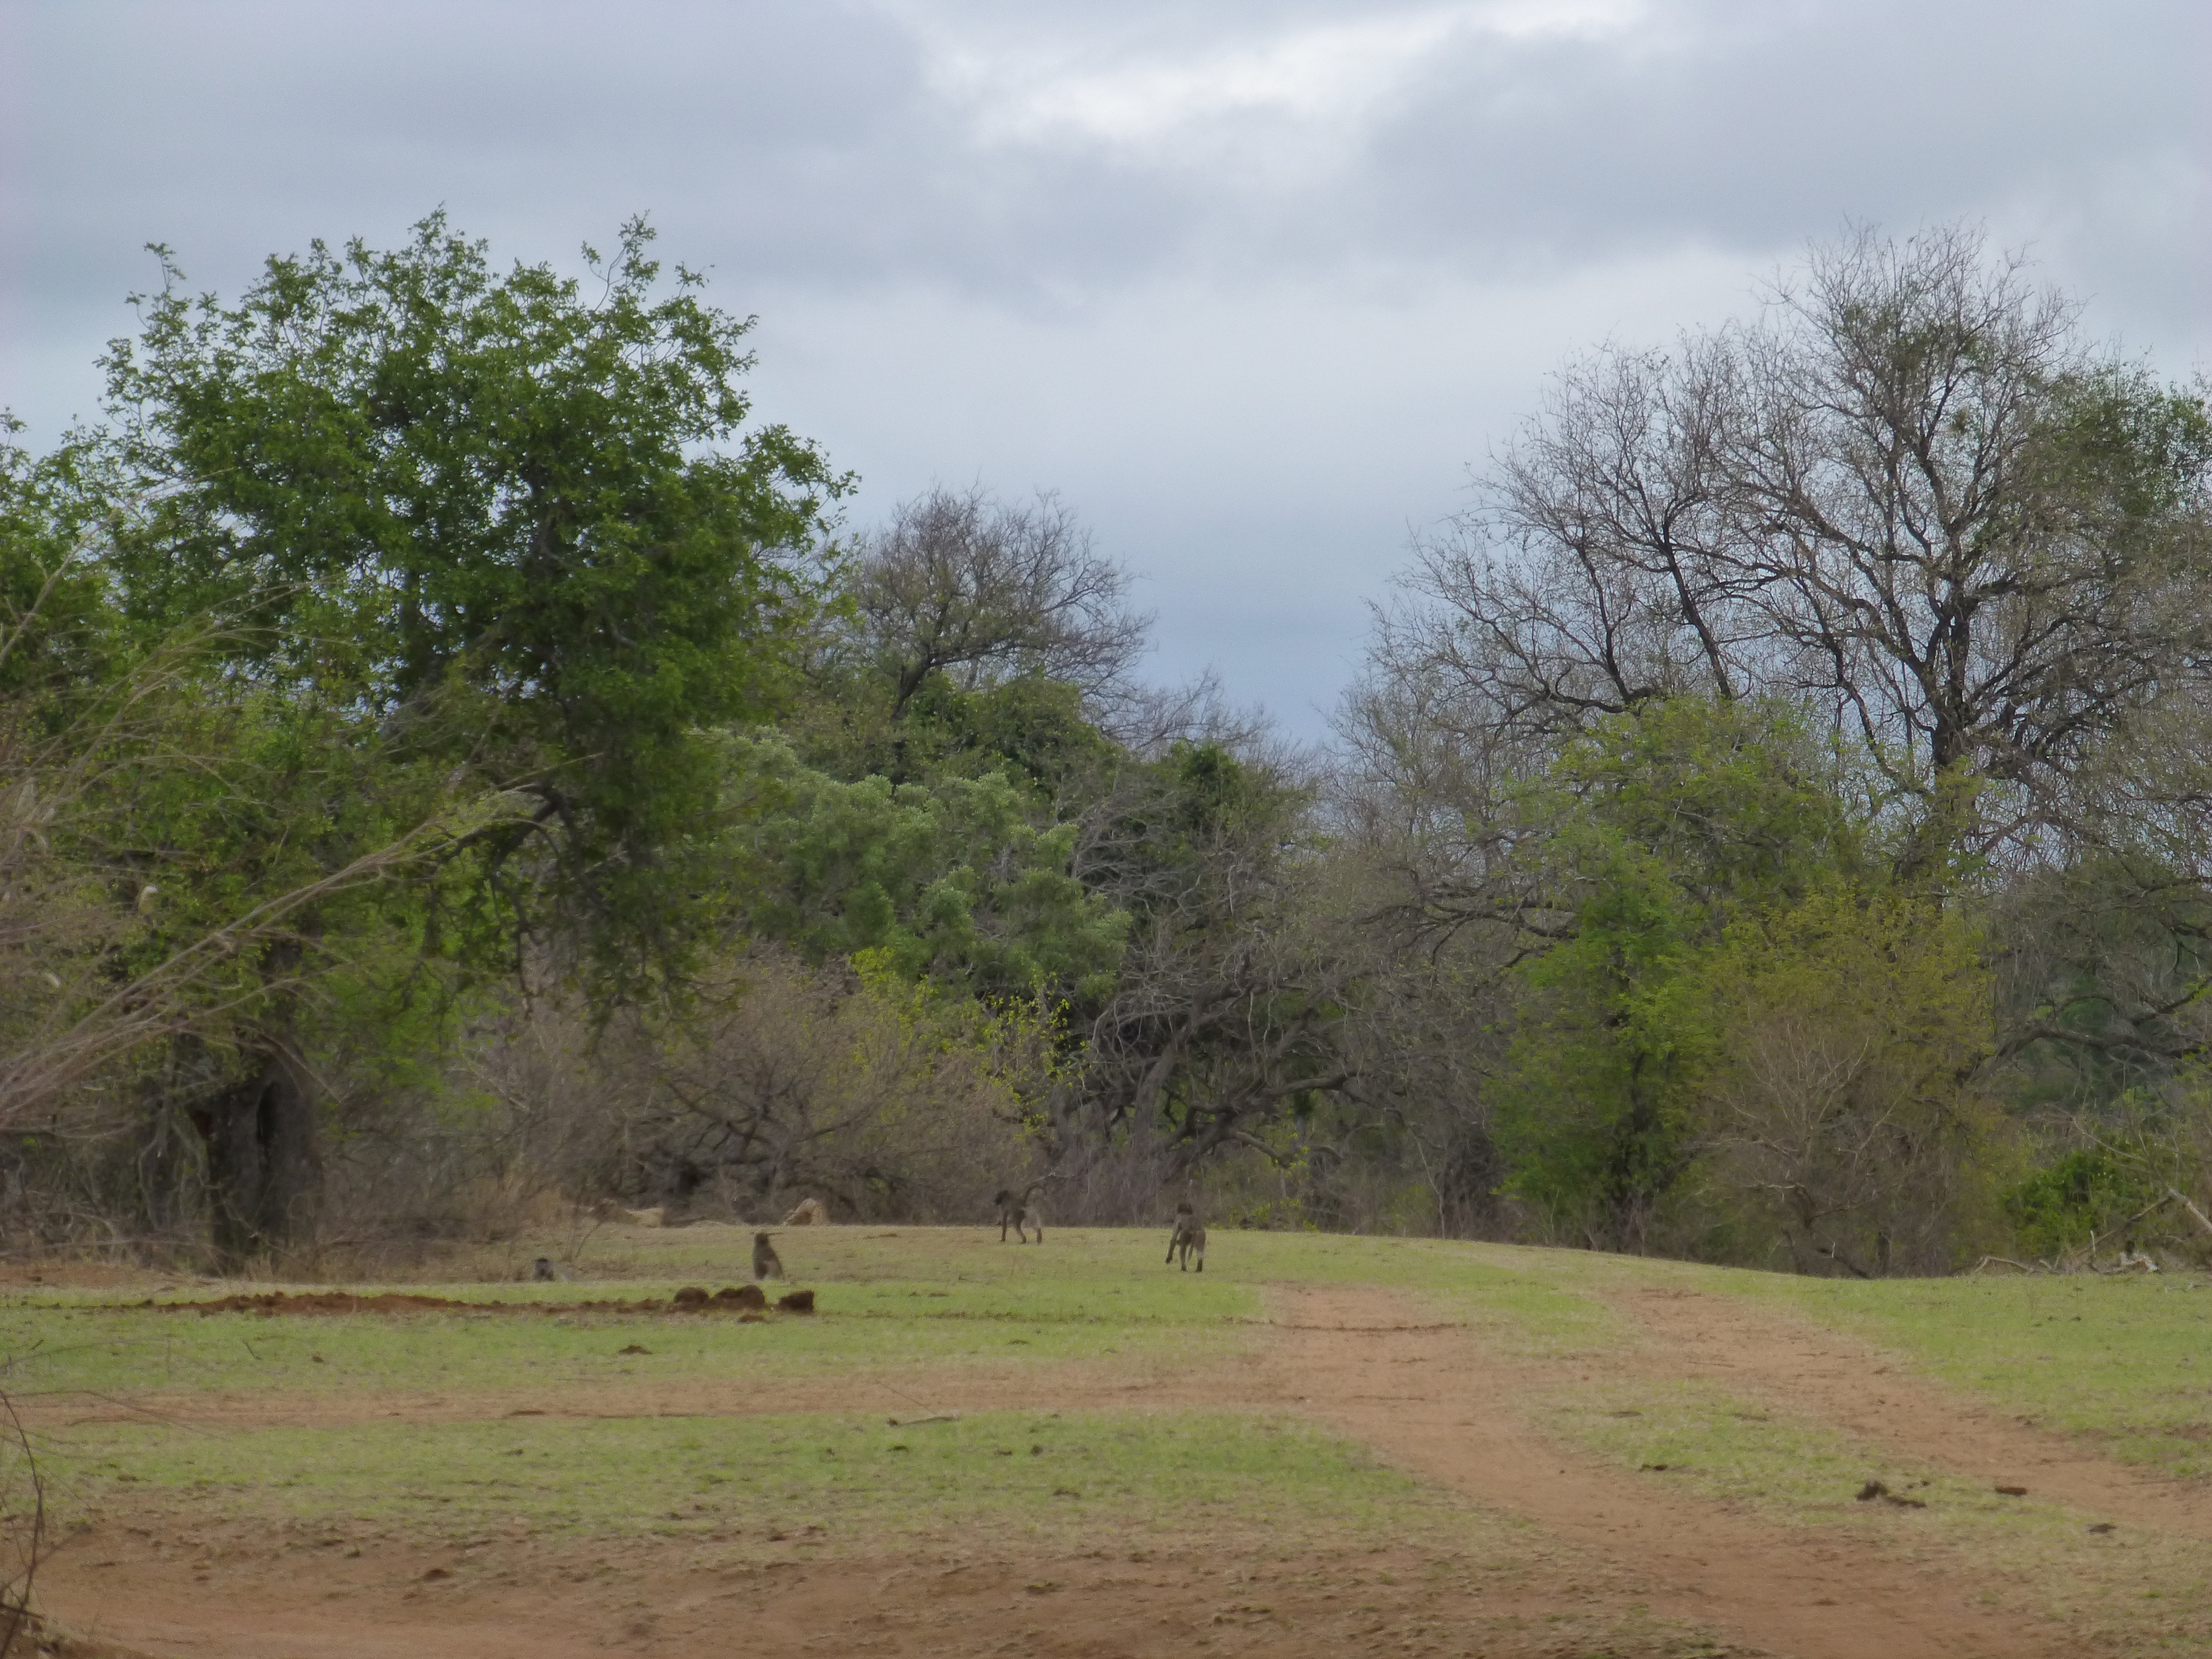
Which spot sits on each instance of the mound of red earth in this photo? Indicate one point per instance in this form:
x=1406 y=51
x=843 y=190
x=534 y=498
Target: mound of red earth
x=272 y=1305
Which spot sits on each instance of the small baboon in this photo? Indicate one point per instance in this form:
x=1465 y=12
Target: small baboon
x=1189 y=1234
x=1184 y=1215
x=1019 y=1211
x=542 y=1270
x=766 y=1263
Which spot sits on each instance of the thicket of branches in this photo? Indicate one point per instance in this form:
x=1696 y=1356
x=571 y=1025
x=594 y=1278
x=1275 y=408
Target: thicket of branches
x=457 y=770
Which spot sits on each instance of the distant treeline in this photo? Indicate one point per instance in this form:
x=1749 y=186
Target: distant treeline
x=458 y=766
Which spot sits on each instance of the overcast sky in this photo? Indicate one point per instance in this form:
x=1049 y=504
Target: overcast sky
x=1251 y=285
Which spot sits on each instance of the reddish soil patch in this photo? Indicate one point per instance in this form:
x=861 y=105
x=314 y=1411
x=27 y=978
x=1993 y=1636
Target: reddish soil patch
x=1852 y=1385
x=235 y=1597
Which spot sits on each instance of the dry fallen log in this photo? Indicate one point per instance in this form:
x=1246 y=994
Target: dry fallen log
x=2195 y=1215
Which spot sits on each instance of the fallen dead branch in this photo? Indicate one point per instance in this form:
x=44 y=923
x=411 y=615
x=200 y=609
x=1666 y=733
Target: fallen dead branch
x=2195 y=1215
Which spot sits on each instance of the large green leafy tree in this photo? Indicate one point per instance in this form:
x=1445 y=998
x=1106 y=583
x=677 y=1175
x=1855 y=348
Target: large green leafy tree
x=1656 y=833
x=459 y=528
x=514 y=523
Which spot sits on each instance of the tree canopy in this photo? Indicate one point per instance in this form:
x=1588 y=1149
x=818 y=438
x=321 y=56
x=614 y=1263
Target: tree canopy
x=449 y=746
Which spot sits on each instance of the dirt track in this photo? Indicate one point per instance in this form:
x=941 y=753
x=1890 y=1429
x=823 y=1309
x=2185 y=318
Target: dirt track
x=1853 y=1386
x=1369 y=1365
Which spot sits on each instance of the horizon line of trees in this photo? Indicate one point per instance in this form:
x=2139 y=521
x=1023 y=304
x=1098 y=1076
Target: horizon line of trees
x=455 y=760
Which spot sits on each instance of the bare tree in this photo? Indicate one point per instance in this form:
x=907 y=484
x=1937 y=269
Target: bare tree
x=1987 y=544
x=782 y=1082
x=1594 y=576
x=1231 y=992
x=22 y=1530
x=1910 y=493
x=961 y=582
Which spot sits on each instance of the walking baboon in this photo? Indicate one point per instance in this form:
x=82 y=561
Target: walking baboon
x=1019 y=1211
x=766 y=1263
x=1189 y=1234
x=542 y=1270
x=1184 y=1215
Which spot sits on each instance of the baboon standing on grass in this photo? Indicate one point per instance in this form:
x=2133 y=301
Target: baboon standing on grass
x=1020 y=1211
x=1189 y=1234
x=541 y=1271
x=766 y=1263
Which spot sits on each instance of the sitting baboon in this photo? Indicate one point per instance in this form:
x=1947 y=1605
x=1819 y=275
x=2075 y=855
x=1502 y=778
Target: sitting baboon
x=811 y=1213
x=1189 y=1234
x=1019 y=1211
x=766 y=1263
x=542 y=1270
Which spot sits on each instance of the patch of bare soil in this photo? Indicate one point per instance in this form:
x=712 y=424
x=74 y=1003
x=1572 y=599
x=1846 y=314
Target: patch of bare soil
x=230 y=1596
x=1852 y=1385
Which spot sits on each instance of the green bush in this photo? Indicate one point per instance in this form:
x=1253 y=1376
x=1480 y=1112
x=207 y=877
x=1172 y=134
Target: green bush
x=2081 y=1198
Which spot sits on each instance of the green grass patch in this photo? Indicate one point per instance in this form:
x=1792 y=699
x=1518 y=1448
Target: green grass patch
x=2130 y=1591
x=889 y=1298
x=2125 y=1362
x=838 y=1481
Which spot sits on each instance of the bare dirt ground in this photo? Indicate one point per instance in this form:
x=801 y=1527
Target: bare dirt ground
x=1627 y=1553
x=525 y=1602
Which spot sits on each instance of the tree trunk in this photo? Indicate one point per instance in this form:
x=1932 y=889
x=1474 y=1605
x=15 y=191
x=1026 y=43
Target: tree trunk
x=264 y=1165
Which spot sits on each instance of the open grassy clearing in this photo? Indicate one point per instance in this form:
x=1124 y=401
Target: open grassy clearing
x=835 y=1484
x=1271 y=1521
x=2128 y=1361
x=889 y=1298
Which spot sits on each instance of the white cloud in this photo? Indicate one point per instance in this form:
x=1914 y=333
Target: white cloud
x=1092 y=87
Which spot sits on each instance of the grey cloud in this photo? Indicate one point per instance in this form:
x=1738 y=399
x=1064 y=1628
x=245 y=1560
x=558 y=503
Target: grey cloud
x=808 y=143
x=1754 y=132
x=947 y=291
